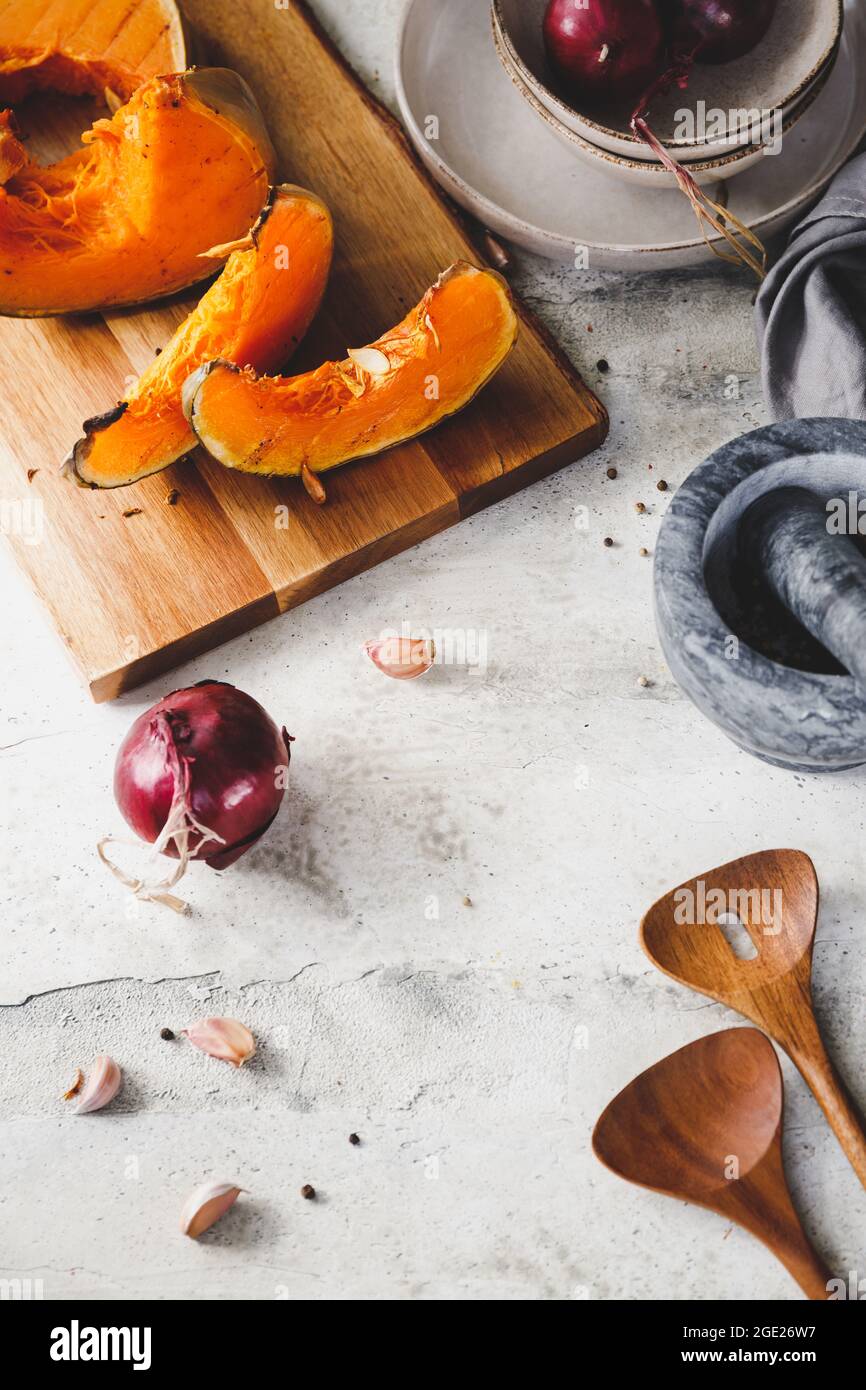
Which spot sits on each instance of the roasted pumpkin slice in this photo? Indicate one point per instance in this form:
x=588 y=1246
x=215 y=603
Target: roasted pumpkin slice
x=185 y=165
x=13 y=153
x=87 y=46
x=254 y=314
x=428 y=367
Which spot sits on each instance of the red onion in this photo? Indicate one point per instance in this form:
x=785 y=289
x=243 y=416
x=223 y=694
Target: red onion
x=707 y=31
x=718 y=31
x=604 y=51
x=205 y=767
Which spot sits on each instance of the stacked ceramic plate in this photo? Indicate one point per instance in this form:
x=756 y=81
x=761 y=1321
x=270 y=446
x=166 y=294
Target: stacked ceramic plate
x=481 y=107
x=729 y=118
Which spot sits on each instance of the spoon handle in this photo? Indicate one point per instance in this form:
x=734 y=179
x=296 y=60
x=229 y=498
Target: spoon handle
x=806 y=1049
x=762 y=1202
x=804 y=1265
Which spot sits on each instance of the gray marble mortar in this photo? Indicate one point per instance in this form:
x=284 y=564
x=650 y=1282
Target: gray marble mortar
x=806 y=714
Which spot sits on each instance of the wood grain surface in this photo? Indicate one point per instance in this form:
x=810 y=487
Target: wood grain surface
x=135 y=585
x=774 y=894
x=705 y=1125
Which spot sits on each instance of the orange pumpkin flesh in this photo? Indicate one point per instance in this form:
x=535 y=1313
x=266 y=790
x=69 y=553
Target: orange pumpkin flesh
x=254 y=314
x=86 y=46
x=13 y=154
x=428 y=367
x=183 y=166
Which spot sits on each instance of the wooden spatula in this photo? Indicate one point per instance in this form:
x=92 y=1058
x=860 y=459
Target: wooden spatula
x=774 y=894
x=705 y=1124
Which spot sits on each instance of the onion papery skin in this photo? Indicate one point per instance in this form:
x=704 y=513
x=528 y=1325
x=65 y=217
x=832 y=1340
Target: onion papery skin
x=230 y=752
x=604 y=51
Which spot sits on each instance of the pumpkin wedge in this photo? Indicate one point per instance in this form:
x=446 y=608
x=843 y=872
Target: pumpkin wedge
x=428 y=367
x=185 y=165
x=13 y=154
x=87 y=46
x=255 y=314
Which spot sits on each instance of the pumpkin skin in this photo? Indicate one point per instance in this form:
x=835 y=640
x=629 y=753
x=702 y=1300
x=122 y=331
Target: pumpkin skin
x=183 y=166
x=255 y=314
x=428 y=367
x=86 y=46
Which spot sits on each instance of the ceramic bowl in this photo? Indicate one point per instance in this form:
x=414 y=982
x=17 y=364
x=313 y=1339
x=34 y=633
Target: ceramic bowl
x=716 y=168
x=802 y=41
x=493 y=156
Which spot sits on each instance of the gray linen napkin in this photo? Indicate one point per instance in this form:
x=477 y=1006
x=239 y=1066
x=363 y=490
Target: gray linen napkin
x=811 y=311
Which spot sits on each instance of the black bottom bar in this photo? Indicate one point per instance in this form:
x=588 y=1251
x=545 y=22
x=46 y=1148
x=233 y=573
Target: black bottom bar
x=158 y=1338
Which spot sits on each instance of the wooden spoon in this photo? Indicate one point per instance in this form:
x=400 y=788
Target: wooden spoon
x=705 y=1125
x=774 y=894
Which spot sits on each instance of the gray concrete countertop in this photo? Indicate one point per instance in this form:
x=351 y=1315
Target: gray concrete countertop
x=470 y=1046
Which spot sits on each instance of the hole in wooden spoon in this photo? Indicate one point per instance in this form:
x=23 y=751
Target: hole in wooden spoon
x=737 y=937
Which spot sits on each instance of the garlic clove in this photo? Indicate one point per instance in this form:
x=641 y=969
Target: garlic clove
x=402 y=658
x=100 y=1087
x=223 y=1038
x=206 y=1205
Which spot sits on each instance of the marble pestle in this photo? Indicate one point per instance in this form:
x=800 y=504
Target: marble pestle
x=818 y=576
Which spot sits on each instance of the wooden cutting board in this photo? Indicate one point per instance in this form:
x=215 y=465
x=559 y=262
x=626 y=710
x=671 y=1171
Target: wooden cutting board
x=133 y=595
